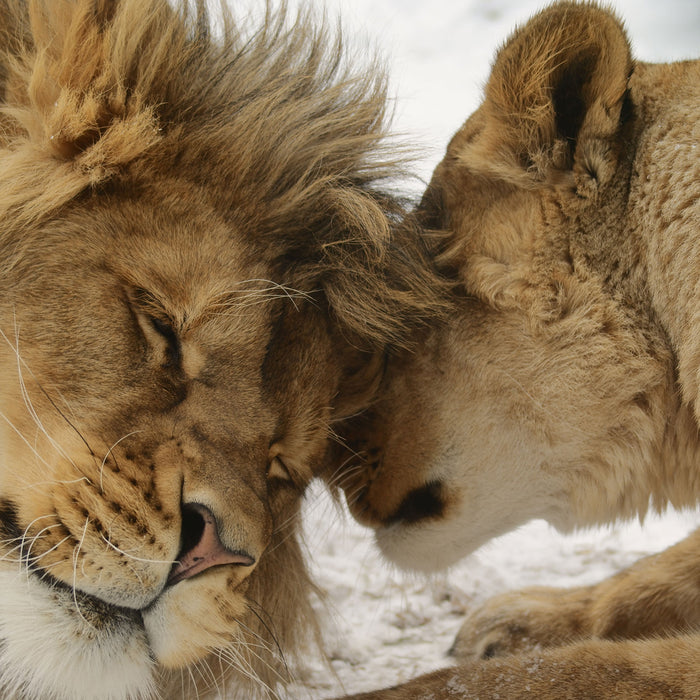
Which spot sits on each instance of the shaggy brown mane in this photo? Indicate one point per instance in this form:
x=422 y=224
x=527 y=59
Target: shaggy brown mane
x=279 y=123
x=285 y=133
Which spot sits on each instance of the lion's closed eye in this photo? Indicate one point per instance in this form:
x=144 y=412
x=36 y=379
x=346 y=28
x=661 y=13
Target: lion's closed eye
x=173 y=348
x=157 y=326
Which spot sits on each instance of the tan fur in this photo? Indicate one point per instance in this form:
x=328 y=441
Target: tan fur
x=565 y=383
x=195 y=283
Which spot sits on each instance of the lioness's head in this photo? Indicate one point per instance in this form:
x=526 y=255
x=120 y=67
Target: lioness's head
x=194 y=284
x=564 y=383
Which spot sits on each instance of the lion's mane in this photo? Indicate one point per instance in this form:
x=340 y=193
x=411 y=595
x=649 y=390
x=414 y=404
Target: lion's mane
x=279 y=121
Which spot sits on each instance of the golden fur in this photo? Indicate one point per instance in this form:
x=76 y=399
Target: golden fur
x=565 y=383
x=199 y=266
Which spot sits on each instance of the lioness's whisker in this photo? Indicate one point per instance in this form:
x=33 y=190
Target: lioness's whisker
x=344 y=469
x=291 y=520
x=353 y=495
x=347 y=475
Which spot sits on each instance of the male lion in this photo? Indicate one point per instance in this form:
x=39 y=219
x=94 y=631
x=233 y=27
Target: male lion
x=194 y=284
x=566 y=383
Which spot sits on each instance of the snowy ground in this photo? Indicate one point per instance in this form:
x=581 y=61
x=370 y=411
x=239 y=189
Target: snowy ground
x=382 y=626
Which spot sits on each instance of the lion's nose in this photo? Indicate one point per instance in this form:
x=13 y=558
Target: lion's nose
x=200 y=545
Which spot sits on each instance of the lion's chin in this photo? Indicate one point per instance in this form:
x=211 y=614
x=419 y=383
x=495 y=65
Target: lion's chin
x=57 y=645
x=181 y=625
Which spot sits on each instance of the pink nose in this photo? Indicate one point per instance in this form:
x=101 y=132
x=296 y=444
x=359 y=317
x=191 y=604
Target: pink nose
x=201 y=546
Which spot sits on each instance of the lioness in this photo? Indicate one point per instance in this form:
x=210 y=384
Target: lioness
x=195 y=283
x=565 y=384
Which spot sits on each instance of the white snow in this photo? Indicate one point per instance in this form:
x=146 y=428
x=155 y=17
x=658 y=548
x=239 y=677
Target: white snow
x=382 y=626
x=439 y=52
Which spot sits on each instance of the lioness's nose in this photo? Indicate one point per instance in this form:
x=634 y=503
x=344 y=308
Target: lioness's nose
x=200 y=545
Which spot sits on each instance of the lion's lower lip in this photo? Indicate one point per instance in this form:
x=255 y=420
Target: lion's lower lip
x=94 y=610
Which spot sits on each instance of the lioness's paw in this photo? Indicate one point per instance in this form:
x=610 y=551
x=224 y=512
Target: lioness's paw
x=523 y=621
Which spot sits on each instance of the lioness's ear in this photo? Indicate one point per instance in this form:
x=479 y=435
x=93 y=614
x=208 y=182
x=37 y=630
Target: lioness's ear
x=555 y=97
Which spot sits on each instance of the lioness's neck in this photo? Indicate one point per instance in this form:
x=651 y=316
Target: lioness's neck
x=646 y=251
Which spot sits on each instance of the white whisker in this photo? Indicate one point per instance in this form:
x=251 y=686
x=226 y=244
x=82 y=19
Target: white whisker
x=135 y=558
x=244 y=296
x=25 y=393
x=76 y=555
x=109 y=452
x=24 y=439
x=25 y=535
x=56 y=482
x=205 y=672
x=245 y=668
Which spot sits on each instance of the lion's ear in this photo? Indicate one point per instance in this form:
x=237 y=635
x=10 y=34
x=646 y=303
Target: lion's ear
x=555 y=98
